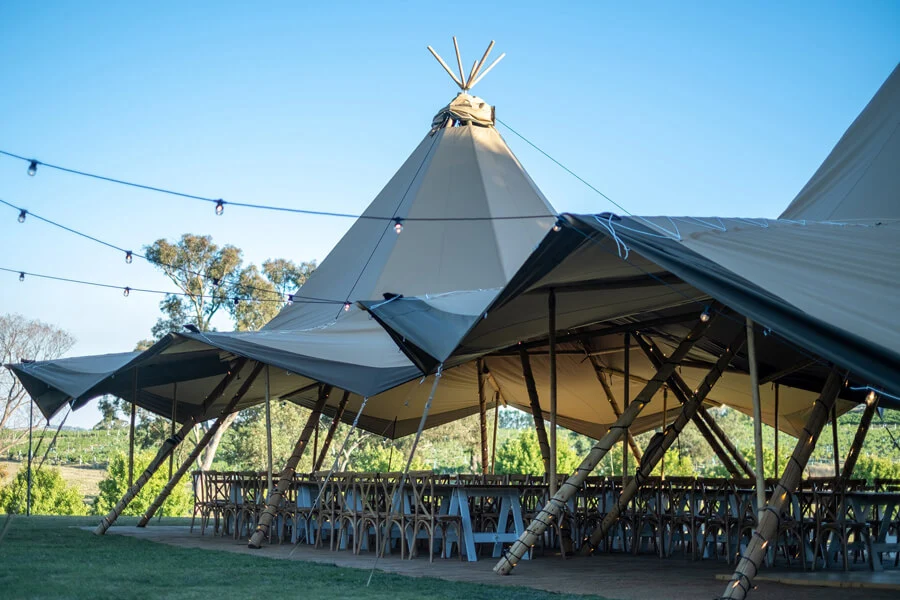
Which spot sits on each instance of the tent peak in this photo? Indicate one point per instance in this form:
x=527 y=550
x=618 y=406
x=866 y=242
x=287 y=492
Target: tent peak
x=467 y=82
x=464 y=110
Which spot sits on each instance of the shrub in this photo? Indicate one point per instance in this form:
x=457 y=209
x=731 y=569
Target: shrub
x=115 y=485
x=49 y=494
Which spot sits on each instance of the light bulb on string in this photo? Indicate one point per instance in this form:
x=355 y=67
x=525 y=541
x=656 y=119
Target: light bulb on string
x=215 y=282
x=398 y=225
x=128 y=257
x=237 y=300
x=346 y=307
x=126 y=291
x=557 y=226
x=22 y=214
x=705 y=316
x=32 y=167
x=870 y=397
x=21 y=276
x=290 y=299
x=220 y=207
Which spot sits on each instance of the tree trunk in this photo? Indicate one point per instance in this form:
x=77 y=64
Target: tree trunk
x=210 y=454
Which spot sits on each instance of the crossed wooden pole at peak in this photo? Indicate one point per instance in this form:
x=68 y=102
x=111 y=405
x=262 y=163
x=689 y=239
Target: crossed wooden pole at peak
x=467 y=82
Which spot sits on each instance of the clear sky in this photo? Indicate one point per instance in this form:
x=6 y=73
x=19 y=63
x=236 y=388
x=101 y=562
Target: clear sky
x=670 y=108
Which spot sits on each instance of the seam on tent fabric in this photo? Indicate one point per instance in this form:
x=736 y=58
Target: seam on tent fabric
x=869 y=166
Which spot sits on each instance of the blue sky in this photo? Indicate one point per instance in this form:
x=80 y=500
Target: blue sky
x=669 y=108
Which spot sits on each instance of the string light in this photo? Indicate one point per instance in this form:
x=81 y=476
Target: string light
x=398 y=225
x=128 y=257
x=557 y=226
x=22 y=214
x=237 y=300
x=220 y=207
x=126 y=291
x=290 y=299
x=21 y=276
x=346 y=307
x=870 y=397
x=705 y=316
x=32 y=167
x=216 y=282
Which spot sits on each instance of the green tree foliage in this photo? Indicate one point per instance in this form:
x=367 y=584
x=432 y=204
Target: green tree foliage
x=115 y=485
x=876 y=467
x=49 y=494
x=522 y=454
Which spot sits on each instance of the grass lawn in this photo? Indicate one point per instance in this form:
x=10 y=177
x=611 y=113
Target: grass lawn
x=47 y=557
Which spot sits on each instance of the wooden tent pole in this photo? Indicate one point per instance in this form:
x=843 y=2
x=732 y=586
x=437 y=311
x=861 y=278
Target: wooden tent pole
x=658 y=445
x=599 y=371
x=172 y=429
x=775 y=465
x=616 y=431
x=551 y=328
x=662 y=461
x=496 y=421
x=683 y=394
x=536 y=410
x=482 y=413
x=864 y=422
x=268 y=435
x=201 y=445
x=748 y=566
x=626 y=385
x=167 y=448
x=334 y=425
x=757 y=421
x=834 y=441
x=134 y=391
x=274 y=500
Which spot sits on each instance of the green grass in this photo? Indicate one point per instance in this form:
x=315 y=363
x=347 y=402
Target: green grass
x=47 y=557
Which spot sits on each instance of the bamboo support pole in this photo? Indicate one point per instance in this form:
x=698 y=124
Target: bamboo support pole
x=726 y=442
x=462 y=75
x=835 y=450
x=134 y=388
x=775 y=459
x=482 y=413
x=446 y=68
x=558 y=502
x=748 y=566
x=326 y=443
x=757 y=420
x=478 y=65
x=599 y=371
x=268 y=435
x=274 y=500
x=665 y=411
x=856 y=447
x=536 y=410
x=167 y=448
x=551 y=328
x=201 y=445
x=172 y=428
x=496 y=421
x=657 y=447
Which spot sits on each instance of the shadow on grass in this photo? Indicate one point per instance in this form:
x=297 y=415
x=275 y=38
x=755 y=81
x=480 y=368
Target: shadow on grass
x=49 y=557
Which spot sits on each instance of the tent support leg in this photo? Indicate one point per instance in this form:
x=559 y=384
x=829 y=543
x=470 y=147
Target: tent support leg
x=496 y=421
x=683 y=394
x=757 y=421
x=174 y=421
x=626 y=398
x=201 y=445
x=726 y=443
x=598 y=369
x=536 y=410
x=274 y=500
x=558 y=502
x=775 y=459
x=658 y=445
x=134 y=388
x=167 y=448
x=864 y=422
x=268 y=435
x=551 y=327
x=482 y=413
x=742 y=580
x=836 y=451
x=326 y=443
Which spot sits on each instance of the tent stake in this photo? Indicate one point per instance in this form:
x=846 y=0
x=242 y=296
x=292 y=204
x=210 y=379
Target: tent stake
x=334 y=425
x=201 y=445
x=551 y=326
x=558 y=502
x=658 y=445
x=757 y=421
x=536 y=411
x=864 y=422
x=274 y=500
x=748 y=566
x=482 y=413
